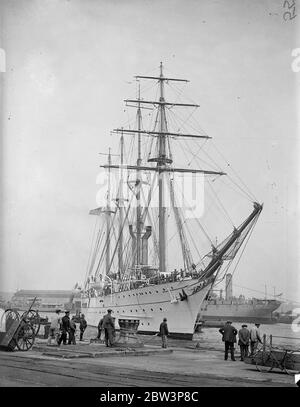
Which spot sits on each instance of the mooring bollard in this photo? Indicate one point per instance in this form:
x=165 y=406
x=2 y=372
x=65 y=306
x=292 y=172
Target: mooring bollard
x=128 y=334
x=46 y=331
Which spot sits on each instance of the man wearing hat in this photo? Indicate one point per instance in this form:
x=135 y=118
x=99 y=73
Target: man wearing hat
x=109 y=328
x=164 y=332
x=255 y=338
x=65 y=328
x=229 y=337
x=244 y=338
x=82 y=326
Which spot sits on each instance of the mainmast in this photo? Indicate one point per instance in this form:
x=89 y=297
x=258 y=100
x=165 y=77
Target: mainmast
x=162 y=161
x=108 y=220
x=121 y=212
x=138 y=184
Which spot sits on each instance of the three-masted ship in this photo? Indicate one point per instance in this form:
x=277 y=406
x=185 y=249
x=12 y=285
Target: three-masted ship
x=121 y=275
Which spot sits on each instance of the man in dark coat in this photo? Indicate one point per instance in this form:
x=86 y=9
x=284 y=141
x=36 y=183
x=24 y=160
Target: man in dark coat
x=164 y=332
x=65 y=328
x=82 y=326
x=229 y=337
x=244 y=338
x=109 y=328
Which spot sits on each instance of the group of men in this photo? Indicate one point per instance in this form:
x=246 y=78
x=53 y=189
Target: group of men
x=107 y=326
x=62 y=329
x=246 y=337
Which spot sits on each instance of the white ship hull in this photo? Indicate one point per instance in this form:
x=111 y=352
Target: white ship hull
x=151 y=304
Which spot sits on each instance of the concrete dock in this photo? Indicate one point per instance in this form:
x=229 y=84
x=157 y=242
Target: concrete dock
x=85 y=364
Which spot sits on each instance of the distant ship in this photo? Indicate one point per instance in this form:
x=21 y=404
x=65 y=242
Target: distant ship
x=216 y=310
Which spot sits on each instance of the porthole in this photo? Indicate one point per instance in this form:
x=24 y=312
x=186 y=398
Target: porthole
x=151 y=309
x=161 y=309
x=148 y=323
x=150 y=292
x=157 y=291
x=143 y=310
x=131 y=310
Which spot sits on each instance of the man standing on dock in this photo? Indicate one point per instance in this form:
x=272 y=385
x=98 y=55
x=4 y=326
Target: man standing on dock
x=255 y=337
x=229 y=337
x=244 y=337
x=82 y=326
x=72 y=330
x=65 y=328
x=164 y=332
x=109 y=328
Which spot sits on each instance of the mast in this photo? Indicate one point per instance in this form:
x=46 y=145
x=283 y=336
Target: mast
x=108 y=220
x=161 y=164
x=138 y=184
x=161 y=161
x=121 y=212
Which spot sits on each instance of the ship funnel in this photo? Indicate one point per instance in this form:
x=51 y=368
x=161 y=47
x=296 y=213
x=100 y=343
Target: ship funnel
x=133 y=237
x=145 y=238
x=228 y=287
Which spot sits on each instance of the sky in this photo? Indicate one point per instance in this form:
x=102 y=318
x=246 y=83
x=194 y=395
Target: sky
x=70 y=64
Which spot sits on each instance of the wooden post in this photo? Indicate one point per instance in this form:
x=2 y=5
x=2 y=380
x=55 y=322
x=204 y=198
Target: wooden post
x=271 y=340
x=264 y=348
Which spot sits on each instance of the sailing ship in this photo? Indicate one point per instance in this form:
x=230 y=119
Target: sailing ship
x=129 y=268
